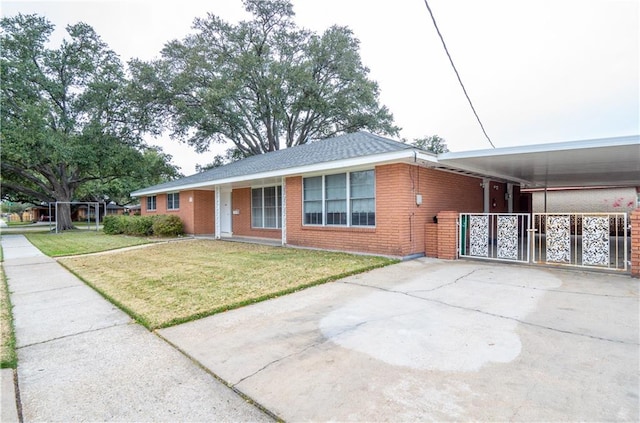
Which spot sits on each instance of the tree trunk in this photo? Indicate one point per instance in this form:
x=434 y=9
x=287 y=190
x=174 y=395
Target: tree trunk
x=63 y=217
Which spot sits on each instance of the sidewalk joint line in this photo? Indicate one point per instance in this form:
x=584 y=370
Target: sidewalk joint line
x=75 y=334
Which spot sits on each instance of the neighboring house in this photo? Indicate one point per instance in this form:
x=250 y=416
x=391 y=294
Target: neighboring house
x=355 y=192
x=41 y=214
x=133 y=209
x=84 y=211
x=585 y=200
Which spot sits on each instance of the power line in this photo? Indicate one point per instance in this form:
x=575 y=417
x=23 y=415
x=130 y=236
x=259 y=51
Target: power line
x=457 y=74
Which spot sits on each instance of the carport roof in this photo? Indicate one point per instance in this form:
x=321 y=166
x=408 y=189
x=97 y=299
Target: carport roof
x=597 y=162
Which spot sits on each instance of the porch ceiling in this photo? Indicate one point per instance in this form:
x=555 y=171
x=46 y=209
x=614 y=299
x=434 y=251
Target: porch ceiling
x=600 y=162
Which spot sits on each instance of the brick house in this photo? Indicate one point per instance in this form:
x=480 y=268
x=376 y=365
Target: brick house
x=355 y=192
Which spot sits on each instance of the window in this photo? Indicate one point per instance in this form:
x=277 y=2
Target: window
x=336 y=199
x=173 y=201
x=313 y=201
x=363 y=198
x=266 y=207
x=345 y=199
x=151 y=203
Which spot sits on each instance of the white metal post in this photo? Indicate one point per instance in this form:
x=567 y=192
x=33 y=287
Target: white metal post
x=283 y=205
x=217 y=212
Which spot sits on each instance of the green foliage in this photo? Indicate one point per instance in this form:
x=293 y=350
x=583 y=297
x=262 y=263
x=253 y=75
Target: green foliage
x=158 y=225
x=167 y=225
x=8 y=356
x=77 y=242
x=262 y=84
x=432 y=143
x=12 y=207
x=68 y=125
x=113 y=225
x=138 y=225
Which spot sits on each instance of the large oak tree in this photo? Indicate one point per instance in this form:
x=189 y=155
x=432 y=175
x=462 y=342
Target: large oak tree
x=67 y=124
x=262 y=84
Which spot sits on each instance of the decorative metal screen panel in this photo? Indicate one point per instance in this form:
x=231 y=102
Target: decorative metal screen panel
x=595 y=241
x=508 y=237
x=495 y=236
x=479 y=236
x=558 y=239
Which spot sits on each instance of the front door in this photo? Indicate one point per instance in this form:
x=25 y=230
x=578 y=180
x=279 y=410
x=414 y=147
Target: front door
x=225 y=213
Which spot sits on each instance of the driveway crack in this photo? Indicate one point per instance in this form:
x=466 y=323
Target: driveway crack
x=308 y=347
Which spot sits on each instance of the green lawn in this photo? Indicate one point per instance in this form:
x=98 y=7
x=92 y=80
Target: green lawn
x=76 y=242
x=8 y=357
x=167 y=284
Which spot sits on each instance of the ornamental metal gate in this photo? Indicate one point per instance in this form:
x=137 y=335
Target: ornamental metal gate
x=588 y=240
x=592 y=240
x=495 y=236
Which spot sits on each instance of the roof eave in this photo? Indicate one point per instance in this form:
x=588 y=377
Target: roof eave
x=396 y=156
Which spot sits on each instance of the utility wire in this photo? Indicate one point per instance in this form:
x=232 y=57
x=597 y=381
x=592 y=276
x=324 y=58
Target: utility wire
x=457 y=74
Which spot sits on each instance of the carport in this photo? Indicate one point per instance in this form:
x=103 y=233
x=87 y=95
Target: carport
x=590 y=163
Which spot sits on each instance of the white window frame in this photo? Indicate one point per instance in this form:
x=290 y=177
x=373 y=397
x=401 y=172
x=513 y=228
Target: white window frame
x=173 y=200
x=154 y=201
x=278 y=207
x=348 y=200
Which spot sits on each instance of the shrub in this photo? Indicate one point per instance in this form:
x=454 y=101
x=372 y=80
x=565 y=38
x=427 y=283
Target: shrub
x=167 y=225
x=114 y=225
x=139 y=225
x=160 y=225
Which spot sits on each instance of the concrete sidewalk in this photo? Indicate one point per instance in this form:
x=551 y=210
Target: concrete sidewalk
x=82 y=359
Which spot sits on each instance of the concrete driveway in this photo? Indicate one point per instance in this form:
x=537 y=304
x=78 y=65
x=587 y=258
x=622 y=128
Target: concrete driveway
x=434 y=340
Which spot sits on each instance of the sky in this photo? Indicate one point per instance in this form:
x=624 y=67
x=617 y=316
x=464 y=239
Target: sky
x=537 y=71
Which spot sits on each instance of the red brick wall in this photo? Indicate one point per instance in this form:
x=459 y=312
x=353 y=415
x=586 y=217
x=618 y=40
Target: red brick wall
x=241 y=200
x=194 y=213
x=204 y=212
x=451 y=191
x=431 y=240
x=447 y=235
x=400 y=222
x=635 y=243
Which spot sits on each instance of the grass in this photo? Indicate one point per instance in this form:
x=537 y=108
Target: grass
x=8 y=357
x=168 y=284
x=18 y=223
x=76 y=242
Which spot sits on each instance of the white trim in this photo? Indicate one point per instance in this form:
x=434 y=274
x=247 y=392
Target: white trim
x=217 y=212
x=278 y=217
x=543 y=148
x=283 y=208
x=173 y=200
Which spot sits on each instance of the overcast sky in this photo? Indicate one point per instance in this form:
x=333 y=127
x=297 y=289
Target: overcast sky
x=537 y=71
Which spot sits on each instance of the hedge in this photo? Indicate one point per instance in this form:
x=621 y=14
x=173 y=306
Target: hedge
x=158 y=225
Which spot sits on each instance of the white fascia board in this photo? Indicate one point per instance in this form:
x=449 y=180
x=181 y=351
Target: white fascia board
x=543 y=148
x=318 y=167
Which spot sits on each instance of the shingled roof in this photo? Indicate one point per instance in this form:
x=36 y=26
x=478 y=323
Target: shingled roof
x=342 y=147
